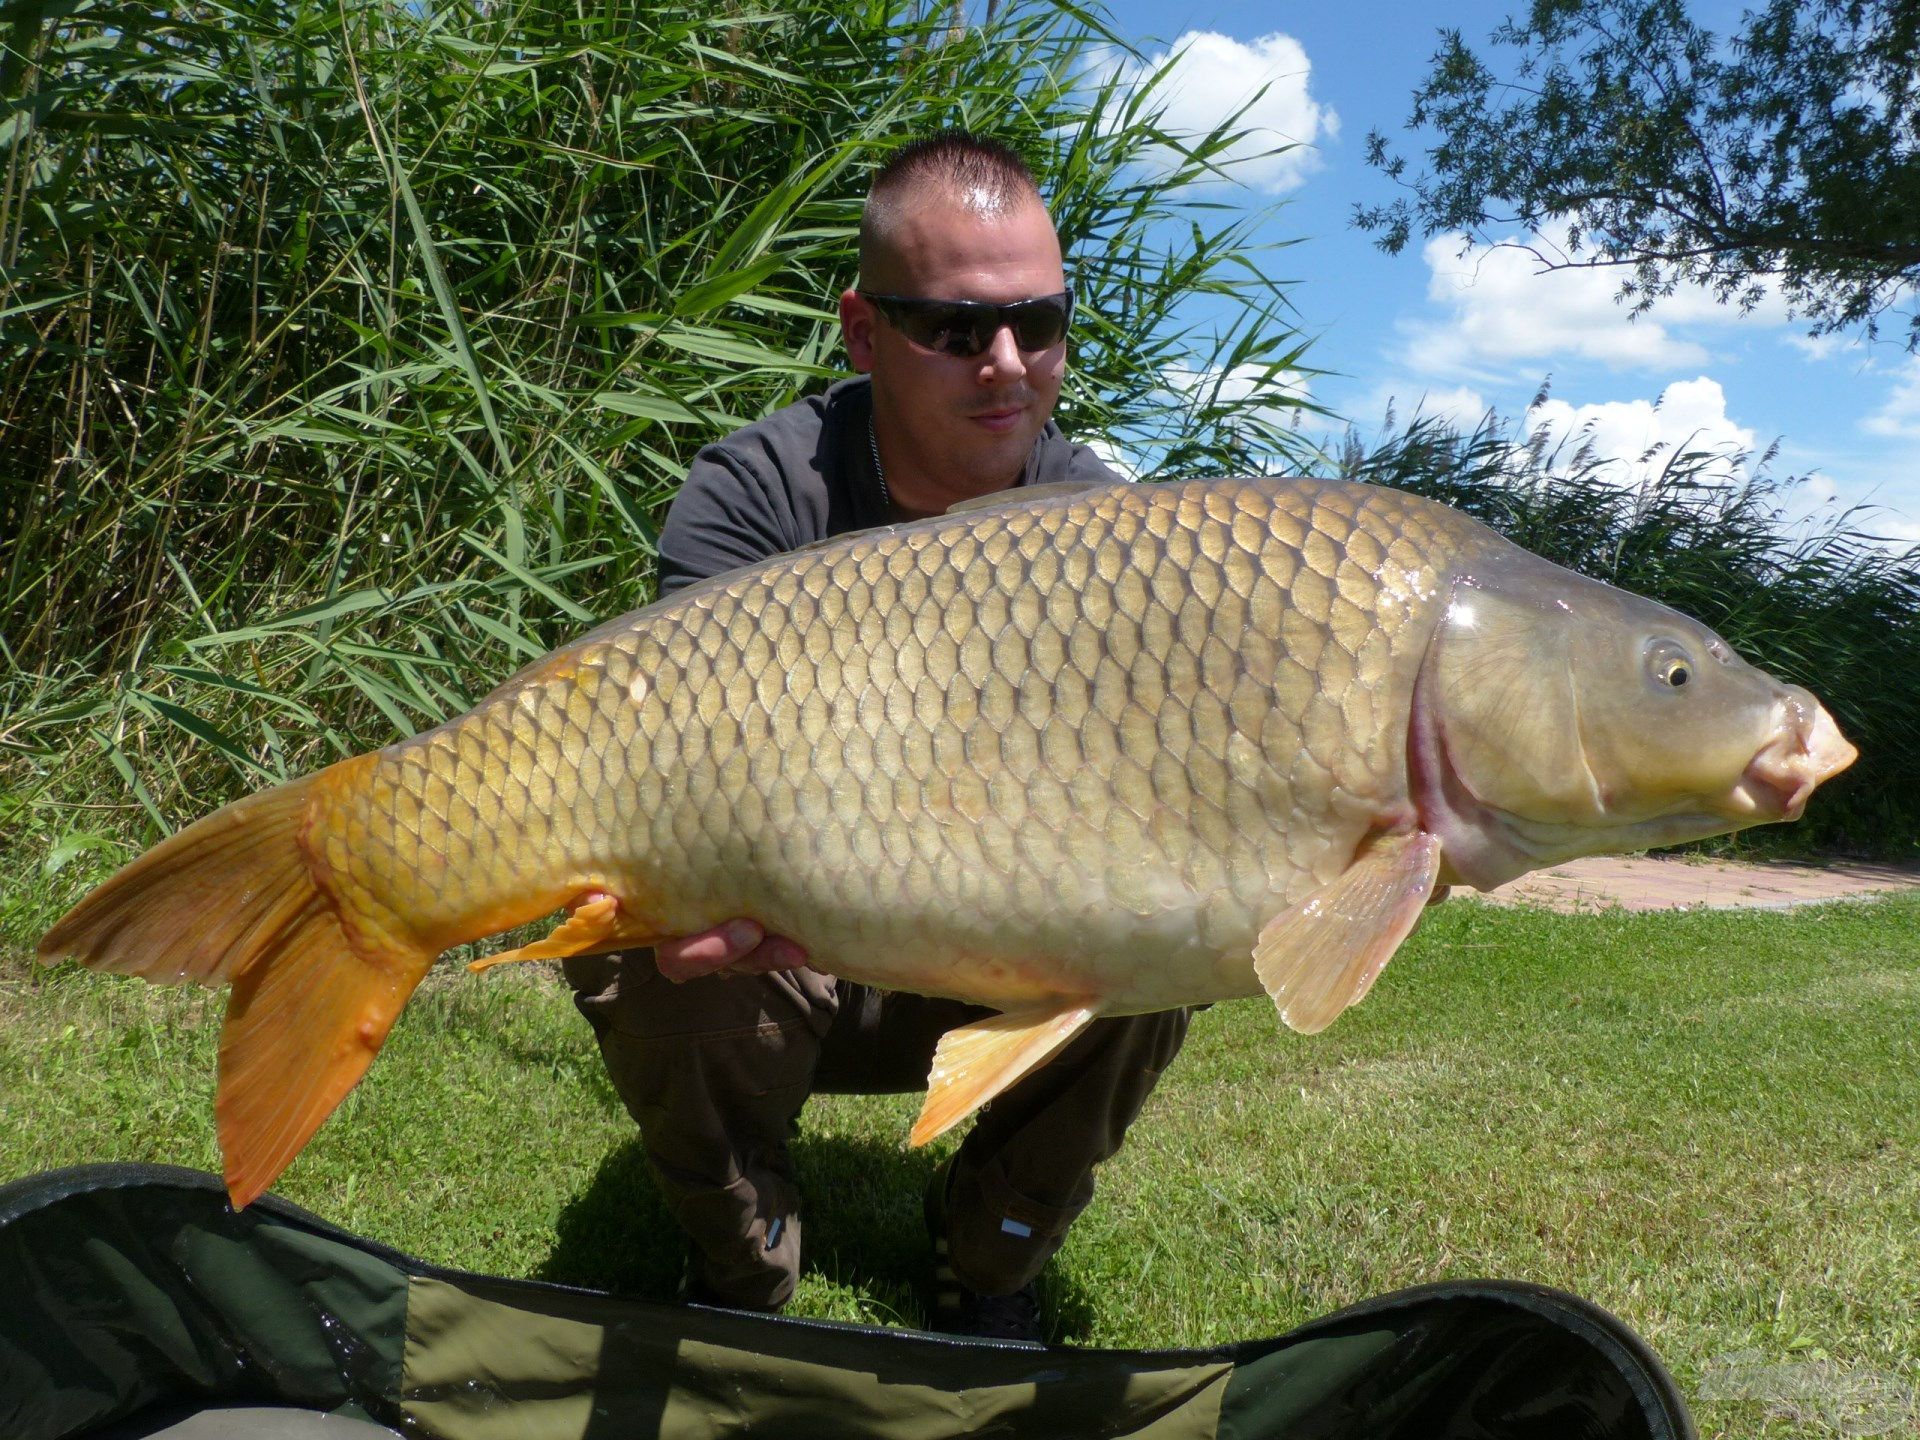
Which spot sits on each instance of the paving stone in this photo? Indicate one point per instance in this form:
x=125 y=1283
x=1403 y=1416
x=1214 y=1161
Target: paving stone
x=1641 y=882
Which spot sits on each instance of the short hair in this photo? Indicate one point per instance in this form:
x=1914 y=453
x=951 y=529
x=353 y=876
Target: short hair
x=989 y=175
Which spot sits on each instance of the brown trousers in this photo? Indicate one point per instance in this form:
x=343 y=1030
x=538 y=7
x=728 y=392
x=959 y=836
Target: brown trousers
x=715 y=1072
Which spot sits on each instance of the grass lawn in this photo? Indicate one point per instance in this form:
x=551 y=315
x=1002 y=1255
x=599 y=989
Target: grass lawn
x=1708 y=1123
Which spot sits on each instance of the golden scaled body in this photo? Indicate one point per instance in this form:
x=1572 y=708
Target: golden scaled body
x=1082 y=751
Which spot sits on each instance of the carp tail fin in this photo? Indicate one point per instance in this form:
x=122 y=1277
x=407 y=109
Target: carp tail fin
x=204 y=904
x=233 y=898
x=302 y=1028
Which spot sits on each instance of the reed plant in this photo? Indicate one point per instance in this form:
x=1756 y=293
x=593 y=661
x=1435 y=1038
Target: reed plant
x=350 y=351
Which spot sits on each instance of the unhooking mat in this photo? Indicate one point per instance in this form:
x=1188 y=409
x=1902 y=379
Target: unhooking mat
x=135 y=1302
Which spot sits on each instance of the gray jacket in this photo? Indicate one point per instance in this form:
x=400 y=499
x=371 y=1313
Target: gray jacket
x=800 y=475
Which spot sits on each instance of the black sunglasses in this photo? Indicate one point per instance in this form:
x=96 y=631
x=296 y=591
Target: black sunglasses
x=965 y=328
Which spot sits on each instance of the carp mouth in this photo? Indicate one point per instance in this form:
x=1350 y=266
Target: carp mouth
x=1808 y=750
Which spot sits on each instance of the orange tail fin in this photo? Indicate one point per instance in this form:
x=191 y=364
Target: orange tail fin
x=232 y=898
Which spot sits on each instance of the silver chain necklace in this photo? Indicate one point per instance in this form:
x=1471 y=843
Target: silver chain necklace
x=880 y=474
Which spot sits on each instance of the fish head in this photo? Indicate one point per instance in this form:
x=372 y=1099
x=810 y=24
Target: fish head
x=1556 y=716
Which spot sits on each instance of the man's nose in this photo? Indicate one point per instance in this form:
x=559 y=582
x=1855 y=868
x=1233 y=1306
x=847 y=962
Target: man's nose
x=1002 y=358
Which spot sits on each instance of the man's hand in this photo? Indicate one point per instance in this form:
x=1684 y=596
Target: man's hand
x=739 y=947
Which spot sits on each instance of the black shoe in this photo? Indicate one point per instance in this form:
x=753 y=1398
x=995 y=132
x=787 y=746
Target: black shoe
x=694 y=1290
x=956 y=1310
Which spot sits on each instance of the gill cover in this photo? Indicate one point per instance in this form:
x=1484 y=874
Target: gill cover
x=1557 y=716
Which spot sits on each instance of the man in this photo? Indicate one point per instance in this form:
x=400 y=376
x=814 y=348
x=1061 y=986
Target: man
x=715 y=1041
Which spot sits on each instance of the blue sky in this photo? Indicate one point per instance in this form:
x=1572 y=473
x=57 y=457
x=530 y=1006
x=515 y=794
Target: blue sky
x=1426 y=328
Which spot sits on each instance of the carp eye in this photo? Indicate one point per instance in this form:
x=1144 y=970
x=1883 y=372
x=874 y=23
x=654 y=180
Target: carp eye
x=1668 y=665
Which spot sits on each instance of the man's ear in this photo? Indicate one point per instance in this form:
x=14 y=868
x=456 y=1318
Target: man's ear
x=856 y=328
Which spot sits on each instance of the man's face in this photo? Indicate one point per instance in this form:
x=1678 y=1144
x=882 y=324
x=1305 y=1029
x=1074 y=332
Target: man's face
x=959 y=426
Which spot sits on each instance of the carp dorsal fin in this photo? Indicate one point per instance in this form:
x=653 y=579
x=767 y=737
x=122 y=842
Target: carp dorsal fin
x=974 y=1063
x=1323 y=954
x=1025 y=494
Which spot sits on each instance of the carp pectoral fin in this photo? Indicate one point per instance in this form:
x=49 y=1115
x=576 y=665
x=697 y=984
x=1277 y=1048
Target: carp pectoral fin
x=593 y=924
x=1324 y=954
x=976 y=1062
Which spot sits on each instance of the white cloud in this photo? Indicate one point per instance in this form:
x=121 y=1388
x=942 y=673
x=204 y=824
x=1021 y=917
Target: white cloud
x=1458 y=405
x=1242 y=382
x=1894 y=529
x=1633 y=439
x=1503 y=310
x=1824 y=347
x=1214 y=75
x=1899 y=414
x=1115 y=456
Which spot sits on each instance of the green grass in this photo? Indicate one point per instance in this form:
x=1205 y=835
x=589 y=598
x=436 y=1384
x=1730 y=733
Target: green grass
x=1708 y=1123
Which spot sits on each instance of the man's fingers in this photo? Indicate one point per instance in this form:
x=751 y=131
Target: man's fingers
x=739 y=947
x=710 y=950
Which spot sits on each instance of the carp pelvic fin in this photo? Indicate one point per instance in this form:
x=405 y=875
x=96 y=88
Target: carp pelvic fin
x=974 y=1063
x=1324 y=954
x=594 y=923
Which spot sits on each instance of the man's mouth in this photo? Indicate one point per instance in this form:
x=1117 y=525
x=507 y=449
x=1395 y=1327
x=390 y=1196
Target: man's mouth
x=1000 y=419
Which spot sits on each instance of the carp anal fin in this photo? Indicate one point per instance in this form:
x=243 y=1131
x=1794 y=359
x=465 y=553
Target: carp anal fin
x=594 y=924
x=1322 y=955
x=974 y=1063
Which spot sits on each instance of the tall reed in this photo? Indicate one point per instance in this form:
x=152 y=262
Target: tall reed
x=350 y=351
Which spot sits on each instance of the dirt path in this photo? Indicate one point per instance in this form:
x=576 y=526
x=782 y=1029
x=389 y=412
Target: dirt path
x=1640 y=883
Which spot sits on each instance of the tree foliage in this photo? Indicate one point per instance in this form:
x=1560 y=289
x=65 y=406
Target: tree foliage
x=1787 y=152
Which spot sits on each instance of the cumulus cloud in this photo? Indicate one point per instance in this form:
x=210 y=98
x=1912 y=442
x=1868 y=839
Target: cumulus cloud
x=1895 y=530
x=1289 y=389
x=1633 y=439
x=1458 y=405
x=1898 y=417
x=1502 y=310
x=1213 y=76
x=1824 y=347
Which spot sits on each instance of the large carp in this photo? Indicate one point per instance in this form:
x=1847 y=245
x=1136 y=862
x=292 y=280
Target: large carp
x=1066 y=755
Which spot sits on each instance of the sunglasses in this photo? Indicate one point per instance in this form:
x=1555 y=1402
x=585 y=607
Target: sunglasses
x=965 y=328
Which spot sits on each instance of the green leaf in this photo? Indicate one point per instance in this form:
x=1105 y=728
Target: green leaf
x=75 y=844
x=527 y=578
x=663 y=408
x=716 y=346
x=717 y=290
